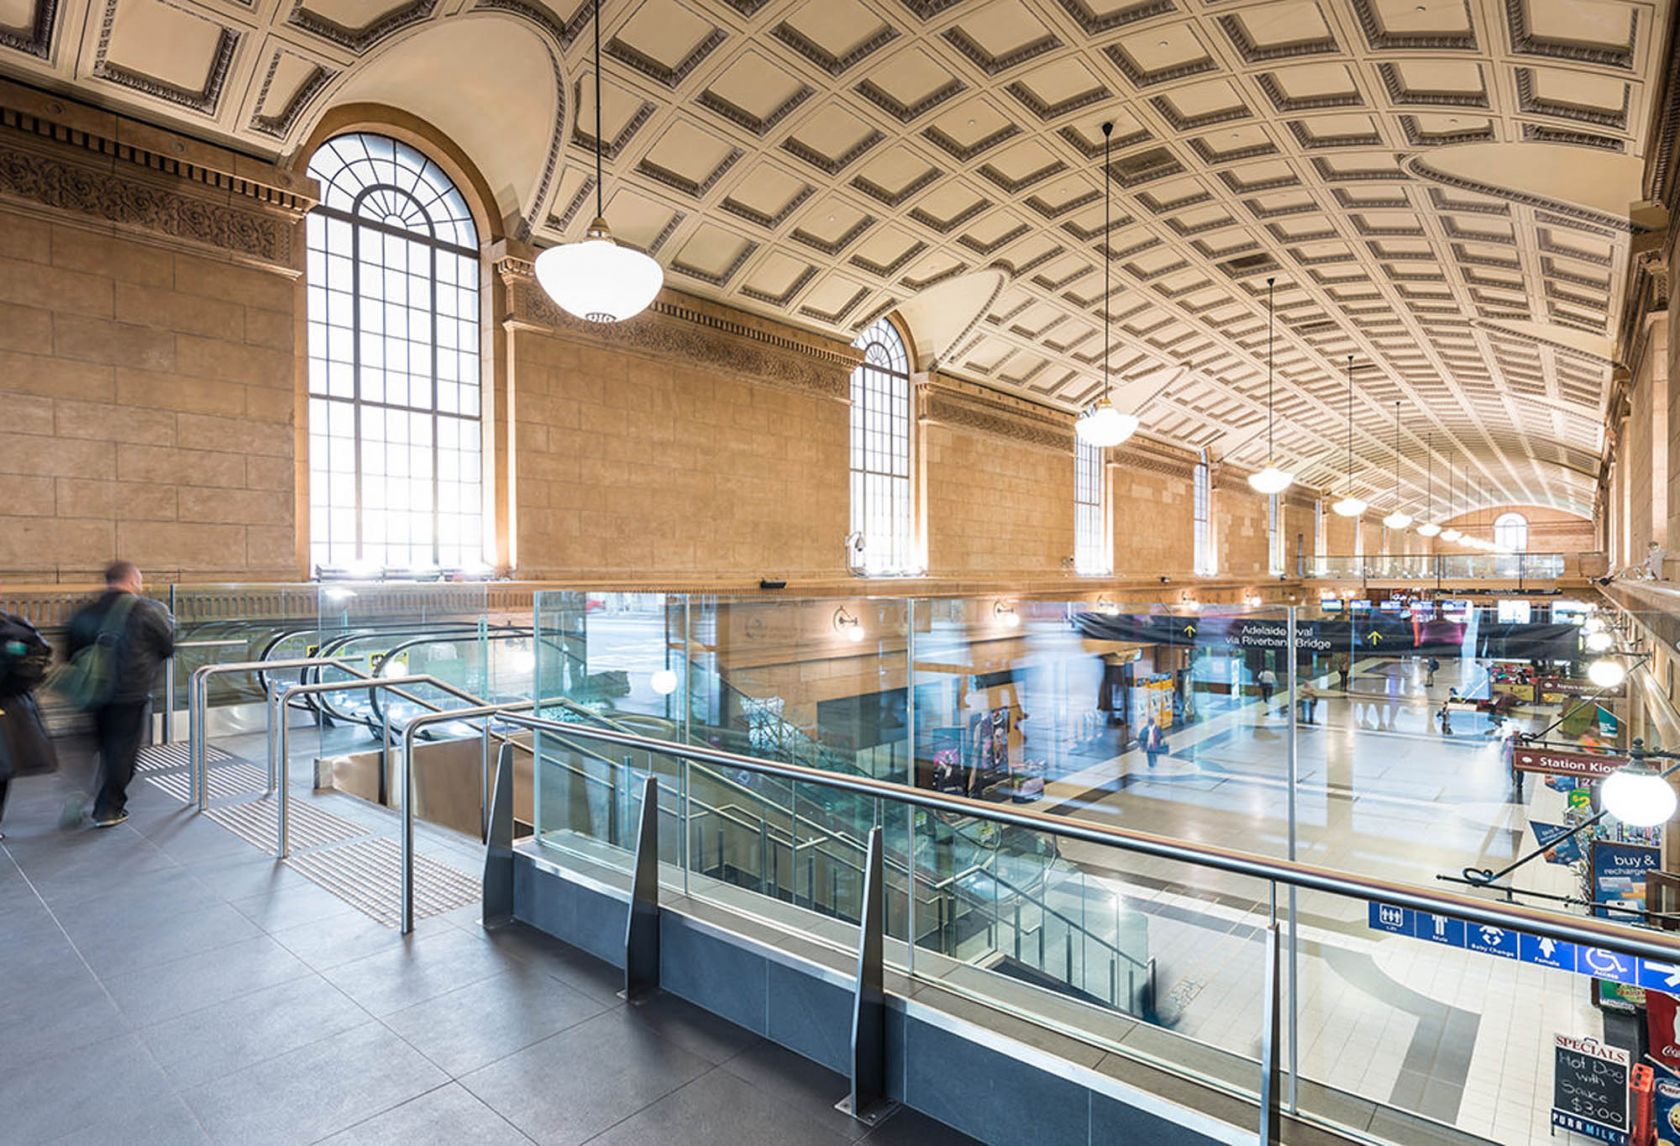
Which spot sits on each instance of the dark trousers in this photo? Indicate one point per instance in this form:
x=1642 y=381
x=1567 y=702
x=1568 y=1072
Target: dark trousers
x=5 y=786
x=118 y=728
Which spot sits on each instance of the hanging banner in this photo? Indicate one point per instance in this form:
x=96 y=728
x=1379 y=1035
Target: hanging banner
x=1566 y=851
x=1527 y=758
x=1372 y=634
x=1661 y=1011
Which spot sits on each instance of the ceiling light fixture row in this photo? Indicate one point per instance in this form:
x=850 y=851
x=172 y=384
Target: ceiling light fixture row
x=1101 y=425
x=1273 y=479
x=596 y=279
x=1349 y=506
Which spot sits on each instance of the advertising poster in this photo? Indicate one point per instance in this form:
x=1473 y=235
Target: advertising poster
x=1661 y=1012
x=1666 y=1111
x=1618 y=880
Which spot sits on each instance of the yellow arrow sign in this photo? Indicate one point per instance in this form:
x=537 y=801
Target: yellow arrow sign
x=1374 y=637
x=1190 y=630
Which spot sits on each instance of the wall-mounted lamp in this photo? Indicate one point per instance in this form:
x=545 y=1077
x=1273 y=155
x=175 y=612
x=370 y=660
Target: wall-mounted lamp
x=1006 y=615
x=845 y=623
x=663 y=681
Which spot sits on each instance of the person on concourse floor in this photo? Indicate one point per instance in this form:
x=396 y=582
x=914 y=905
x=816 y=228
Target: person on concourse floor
x=1267 y=679
x=1342 y=664
x=1308 y=696
x=25 y=747
x=1153 y=741
x=138 y=636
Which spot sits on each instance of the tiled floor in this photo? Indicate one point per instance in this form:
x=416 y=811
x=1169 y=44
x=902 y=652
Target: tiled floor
x=162 y=982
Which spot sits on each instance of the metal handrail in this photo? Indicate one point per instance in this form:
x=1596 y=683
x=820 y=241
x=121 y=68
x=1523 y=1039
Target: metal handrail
x=169 y=678
x=1588 y=931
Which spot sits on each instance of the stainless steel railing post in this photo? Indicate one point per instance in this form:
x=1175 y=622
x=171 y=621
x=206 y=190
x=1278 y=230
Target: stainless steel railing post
x=282 y=745
x=169 y=700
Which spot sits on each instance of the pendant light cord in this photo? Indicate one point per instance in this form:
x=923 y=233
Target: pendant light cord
x=1350 y=427
x=600 y=185
x=1271 y=444
x=1397 y=457
x=1429 y=457
x=1108 y=270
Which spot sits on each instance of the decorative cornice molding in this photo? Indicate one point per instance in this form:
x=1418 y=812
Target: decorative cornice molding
x=969 y=409
x=129 y=201
x=77 y=127
x=679 y=328
x=36 y=39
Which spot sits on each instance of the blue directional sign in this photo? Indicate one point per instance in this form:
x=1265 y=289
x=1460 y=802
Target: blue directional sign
x=1654 y=976
x=1602 y=964
x=1387 y=917
x=1491 y=940
x=1441 y=929
x=1553 y=953
x=1504 y=943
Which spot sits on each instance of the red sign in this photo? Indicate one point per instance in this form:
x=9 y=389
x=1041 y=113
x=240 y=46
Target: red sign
x=1660 y=1013
x=1526 y=759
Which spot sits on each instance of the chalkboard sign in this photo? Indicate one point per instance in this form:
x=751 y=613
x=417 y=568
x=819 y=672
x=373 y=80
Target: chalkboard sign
x=1590 y=1089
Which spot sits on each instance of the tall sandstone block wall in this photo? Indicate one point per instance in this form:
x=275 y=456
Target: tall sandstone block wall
x=147 y=371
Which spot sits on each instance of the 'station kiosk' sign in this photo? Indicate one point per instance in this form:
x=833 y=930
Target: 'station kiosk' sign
x=1592 y=767
x=1590 y=1089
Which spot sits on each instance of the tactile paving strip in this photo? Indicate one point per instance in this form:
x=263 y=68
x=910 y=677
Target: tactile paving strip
x=227 y=781
x=253 y=822
x=367 y=874
x=157 y=757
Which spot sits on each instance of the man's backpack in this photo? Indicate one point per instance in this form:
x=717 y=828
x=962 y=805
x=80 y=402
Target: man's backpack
x=25 y=656
x=89 y=678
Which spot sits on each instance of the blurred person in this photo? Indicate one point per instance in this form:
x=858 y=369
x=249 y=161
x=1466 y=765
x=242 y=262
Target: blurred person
x=25 y=747
x=1343 y=665
x=1308 y=697
x=117 y=646
x=1153 y=741
x=1267 y=679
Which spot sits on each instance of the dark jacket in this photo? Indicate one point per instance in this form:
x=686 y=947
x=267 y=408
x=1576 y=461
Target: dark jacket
x=148 y=639
x=24 y=656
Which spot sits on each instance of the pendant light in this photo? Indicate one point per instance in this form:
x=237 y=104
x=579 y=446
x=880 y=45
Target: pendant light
x=1271 y=479
x=1101 y=424
x=1399 y=519
x=596 y=279
x=1429 y=528
x=1349 y=506
x=1450 y=533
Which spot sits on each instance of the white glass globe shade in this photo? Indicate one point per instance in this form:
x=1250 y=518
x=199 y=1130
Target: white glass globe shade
x=1399 y=519
x=1641 y=798
x=1599 y=642
x=1450 y=534
x=1429 y=529
x=598 y=280
x=1349 y=506
x=854 y=633
x=663 y=681
x=1103 y=425
x=1271 y=480
x=1606 y=673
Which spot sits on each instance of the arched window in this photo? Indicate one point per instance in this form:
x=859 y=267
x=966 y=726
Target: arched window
x=1093 y=550
x=1201 y=516
x=881 y=504
x=1510 y=531
x=395 y=436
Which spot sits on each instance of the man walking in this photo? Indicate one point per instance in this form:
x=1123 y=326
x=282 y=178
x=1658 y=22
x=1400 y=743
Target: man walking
x=136 y=636
x=1268 y=685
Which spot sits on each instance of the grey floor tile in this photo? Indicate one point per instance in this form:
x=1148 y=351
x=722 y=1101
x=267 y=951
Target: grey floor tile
x=570 y=1087
x=235 y=878
x=314 y=1091
x=447 y=1116
x=166 y=1121
x=40 y=1019
x=577 y=969
x=696 y=1031
x=187 y=837
x=419 y=968
x=475 y=1025
x=253 y=1028
x=197 y=981
x=342 y=939
x=287 y=907
x=720 y=1109
x=113 y=946
x=798 y=1083
x=56 y=1095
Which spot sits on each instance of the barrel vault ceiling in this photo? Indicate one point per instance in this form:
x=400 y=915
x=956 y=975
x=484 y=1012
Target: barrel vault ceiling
x=1439 y=187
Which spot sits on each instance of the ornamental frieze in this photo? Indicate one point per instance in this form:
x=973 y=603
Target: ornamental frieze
x=113 y=197
x=992 y=416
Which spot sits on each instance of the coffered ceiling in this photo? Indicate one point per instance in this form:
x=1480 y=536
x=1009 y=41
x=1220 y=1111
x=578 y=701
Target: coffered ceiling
x=1439 y=187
